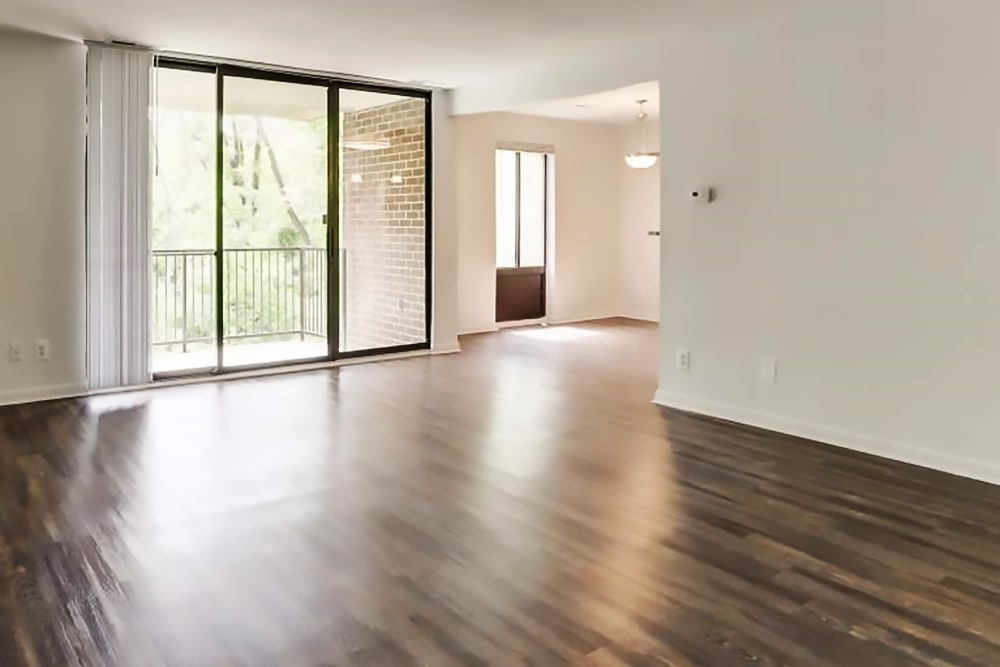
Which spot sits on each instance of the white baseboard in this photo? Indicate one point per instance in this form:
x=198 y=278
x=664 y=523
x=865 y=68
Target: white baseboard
x=451 y=347
x=479 y=329
x=642 y=317
x=576 y=319
x=493 y=327
x=36 y=394
x=890 y=449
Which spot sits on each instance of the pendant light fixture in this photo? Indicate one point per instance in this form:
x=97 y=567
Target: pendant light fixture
x=643 y=158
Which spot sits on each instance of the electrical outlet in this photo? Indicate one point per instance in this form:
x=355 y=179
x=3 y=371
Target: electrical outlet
x=684 y=360
x=769 y=371
x=16 y=351
x=43 y=349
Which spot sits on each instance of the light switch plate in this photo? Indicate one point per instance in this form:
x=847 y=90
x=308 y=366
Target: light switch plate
x=684 y=359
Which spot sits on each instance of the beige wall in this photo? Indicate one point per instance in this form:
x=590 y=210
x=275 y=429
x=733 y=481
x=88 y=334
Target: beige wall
x=41 y=214
x=856 y=238
x=444 y=228
x=585 y=271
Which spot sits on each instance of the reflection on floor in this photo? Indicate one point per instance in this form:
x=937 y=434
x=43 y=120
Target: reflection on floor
x=561 y=333
x=522 y=502
x=238 y=354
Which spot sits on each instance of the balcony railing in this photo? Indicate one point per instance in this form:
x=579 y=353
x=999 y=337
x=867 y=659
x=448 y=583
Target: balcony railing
x=267 y=292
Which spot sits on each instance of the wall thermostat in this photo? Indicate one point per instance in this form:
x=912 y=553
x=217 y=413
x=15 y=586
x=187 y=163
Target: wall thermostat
x=703 y=195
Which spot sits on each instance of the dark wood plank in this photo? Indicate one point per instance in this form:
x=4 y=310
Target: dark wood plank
x=520 y=503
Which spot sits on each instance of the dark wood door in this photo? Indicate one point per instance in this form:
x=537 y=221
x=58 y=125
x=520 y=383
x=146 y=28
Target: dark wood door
x=520 y=294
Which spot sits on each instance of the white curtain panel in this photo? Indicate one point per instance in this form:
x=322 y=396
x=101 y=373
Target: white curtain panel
x=118 y=183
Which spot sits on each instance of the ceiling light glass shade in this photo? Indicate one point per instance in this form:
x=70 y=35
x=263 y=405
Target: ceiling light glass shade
x=641 y=160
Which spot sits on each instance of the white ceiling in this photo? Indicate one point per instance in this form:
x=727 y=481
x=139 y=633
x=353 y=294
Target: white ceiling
x=440 y=42
x=613 y=106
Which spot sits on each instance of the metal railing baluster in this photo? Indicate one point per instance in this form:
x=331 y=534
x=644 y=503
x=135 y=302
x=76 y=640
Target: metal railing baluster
x=268 y=292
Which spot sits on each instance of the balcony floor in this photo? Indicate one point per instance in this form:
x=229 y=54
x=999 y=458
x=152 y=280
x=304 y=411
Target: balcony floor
x=244 y=353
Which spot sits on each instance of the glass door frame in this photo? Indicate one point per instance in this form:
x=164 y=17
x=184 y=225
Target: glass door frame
x=333 y=87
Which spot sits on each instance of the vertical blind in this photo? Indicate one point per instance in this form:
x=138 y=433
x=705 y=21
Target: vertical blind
x=118 y=158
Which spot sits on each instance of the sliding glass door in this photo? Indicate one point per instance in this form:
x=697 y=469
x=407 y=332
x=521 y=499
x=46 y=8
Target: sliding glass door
x=290 y=219
x=383 y=227
x=274 y=231
x=182 y=305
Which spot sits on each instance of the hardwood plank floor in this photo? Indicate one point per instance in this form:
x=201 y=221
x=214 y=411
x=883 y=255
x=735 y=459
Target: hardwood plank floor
x=520 y=503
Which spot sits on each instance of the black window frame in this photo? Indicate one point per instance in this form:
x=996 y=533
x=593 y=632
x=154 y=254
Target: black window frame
x=334 y=85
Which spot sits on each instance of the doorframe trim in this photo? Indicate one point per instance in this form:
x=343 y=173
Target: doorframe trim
x=220 y=246
x=333 y=304
x=287 y=75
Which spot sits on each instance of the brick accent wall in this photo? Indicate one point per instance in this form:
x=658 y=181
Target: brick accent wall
x=383 y=225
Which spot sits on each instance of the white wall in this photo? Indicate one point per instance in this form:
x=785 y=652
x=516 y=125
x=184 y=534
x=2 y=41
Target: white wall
x=640 y=214
x=587 y=200
x=856 y=149
x=41 y=213
x=444 y=230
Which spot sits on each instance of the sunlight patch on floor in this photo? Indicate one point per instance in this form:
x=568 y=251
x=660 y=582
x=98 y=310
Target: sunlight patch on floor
x=556 y=333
